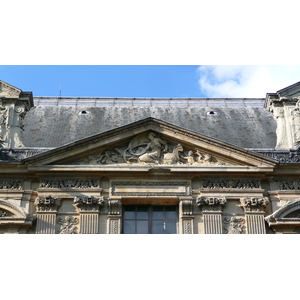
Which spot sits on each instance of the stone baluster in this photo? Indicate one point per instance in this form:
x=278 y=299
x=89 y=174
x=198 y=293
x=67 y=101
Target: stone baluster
x=212 y=208
x=46 y=214
x=89 y=208
x=254 y=213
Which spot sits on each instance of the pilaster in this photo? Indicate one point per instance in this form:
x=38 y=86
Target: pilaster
x=254 y=213
x=89 y=208
x=212 y=209
x=46 y=214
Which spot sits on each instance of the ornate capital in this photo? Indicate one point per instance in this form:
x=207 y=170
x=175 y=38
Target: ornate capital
x=211 y=203
x=254 y=204
x=47 y=203
x=114 y=207
x=88 y=203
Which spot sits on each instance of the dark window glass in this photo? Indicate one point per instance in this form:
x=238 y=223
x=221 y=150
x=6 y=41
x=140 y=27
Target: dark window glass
x=142 y=219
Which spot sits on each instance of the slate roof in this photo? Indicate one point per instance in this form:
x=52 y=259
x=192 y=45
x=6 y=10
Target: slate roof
x=54 y=122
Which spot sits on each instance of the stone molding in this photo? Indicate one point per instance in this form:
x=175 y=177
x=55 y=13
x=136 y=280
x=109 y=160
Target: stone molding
x=151 y=188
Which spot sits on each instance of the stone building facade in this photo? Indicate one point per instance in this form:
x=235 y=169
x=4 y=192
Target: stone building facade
x=125 y=165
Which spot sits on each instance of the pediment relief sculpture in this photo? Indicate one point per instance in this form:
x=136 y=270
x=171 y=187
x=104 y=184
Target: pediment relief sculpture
x=150 y=148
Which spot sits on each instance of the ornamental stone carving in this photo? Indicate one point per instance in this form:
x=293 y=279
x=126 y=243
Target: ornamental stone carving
x=289 y=185
x=4 y=213
x=47 y=204
x=67 y=225
x=150 y=148
x=88 y=203
x=233 y=225
x=11 y=184
x=253 y=204
x=211 y=203
x=69 y=183
x=231 y=183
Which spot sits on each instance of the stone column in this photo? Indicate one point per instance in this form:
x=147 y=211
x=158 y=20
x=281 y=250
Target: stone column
x=254 y=213
x=212 y=208
x=186 y=216
x=46 y=214
x=114 y=216
x=89 y=208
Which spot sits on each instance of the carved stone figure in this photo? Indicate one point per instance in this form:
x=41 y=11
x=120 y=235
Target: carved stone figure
x=67 y=225
x=296 y=124
x=156 y=147
x=234 y=225
x=189 y=158
x=173 y=158
x=281 y=128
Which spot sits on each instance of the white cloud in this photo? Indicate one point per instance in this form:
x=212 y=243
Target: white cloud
x=245 y=81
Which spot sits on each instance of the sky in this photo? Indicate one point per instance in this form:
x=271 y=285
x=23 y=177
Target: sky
x=168 y=81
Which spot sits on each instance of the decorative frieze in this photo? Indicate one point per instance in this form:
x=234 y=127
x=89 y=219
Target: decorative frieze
x=291 y=156
x=47 y=204
x=69 y=183
x=88 y=203
x=289 y=185
x=234 y=225
x=254 y=204
x=67 y=225
x=11 y=184
x=216 y=183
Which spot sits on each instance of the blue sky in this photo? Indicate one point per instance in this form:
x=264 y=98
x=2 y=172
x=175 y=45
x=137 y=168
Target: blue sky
x=105 y=81
x=170 y=81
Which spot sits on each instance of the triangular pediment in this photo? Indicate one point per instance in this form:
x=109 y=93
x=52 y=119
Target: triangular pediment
x=150 y=142
x=8 y=91
x=290 y=91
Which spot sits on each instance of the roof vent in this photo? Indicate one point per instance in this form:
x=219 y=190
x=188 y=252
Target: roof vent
x=84 y=112
x=212 y=113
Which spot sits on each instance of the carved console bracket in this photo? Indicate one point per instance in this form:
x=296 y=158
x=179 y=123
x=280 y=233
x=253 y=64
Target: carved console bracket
x=211 y=203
